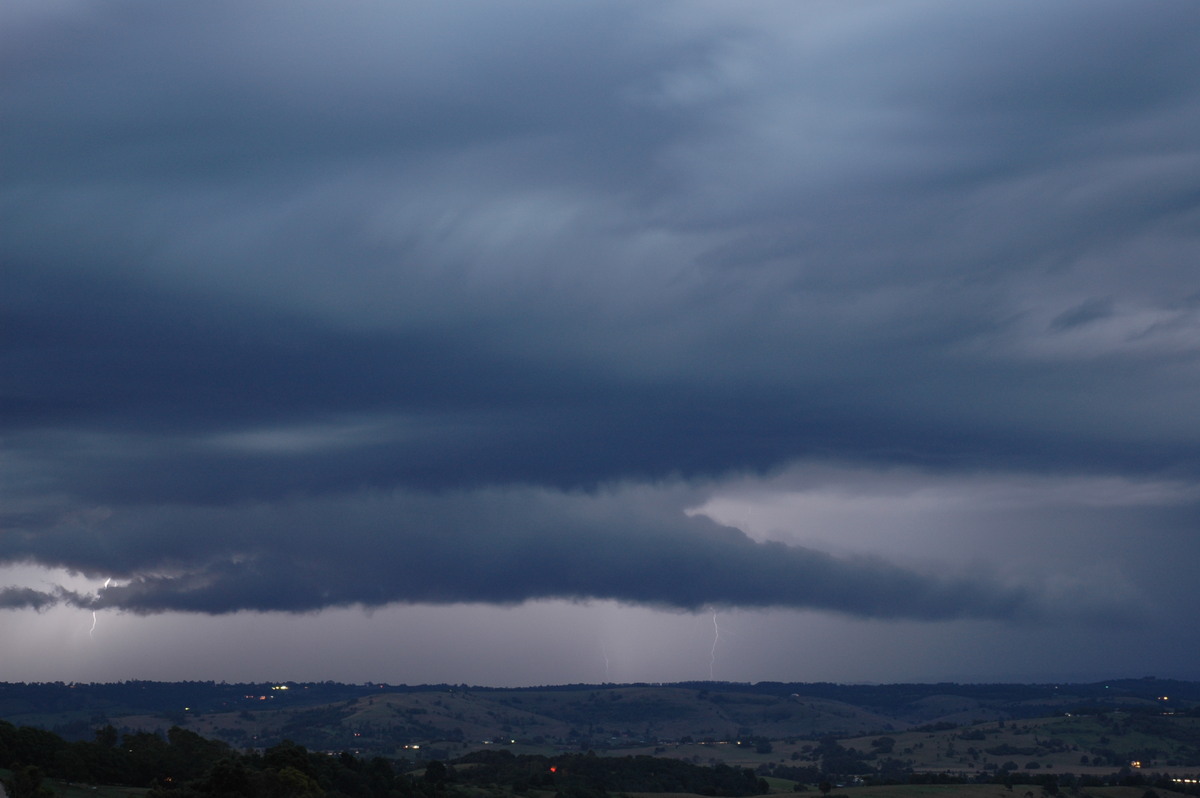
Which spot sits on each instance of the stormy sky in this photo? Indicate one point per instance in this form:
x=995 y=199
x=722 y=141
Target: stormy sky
x=537 y=342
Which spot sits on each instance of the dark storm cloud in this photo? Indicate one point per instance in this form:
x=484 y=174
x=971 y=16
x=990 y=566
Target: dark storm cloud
x=19 y=598
x=499 y=547
x=258 y=256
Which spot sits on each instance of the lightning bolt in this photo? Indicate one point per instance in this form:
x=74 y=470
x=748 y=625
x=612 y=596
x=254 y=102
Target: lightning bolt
x=92 y=631
x=712 y=655
x=604 y=653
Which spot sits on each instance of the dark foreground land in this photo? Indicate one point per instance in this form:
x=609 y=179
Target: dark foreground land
x=1117 y=739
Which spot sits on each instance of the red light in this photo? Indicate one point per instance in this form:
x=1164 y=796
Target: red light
x=553 y=769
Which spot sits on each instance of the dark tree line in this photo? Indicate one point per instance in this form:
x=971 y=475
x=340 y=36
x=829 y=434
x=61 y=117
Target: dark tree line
x=182 y=764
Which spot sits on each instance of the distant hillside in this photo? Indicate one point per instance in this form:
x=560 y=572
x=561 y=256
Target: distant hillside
x=686 y=720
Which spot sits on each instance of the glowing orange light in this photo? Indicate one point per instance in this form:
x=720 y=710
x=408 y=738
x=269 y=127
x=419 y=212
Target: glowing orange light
x=553 y=769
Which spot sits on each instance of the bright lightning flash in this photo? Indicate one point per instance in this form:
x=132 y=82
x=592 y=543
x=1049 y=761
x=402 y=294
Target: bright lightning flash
x=712 y=656
x=92 y=631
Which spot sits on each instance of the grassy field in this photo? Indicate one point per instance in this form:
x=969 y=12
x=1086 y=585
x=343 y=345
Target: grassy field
x=1054 y=745
x=955 y=791
x=1057 y=744
x=65 y=790
x=988 y=791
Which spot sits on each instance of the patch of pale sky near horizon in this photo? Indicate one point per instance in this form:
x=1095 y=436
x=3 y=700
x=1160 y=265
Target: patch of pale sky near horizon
x=491 y=646
x=859 y=510
x=397 y=644
x=1067 y=533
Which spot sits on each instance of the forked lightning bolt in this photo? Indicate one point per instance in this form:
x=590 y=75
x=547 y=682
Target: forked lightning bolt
x=92 y=631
